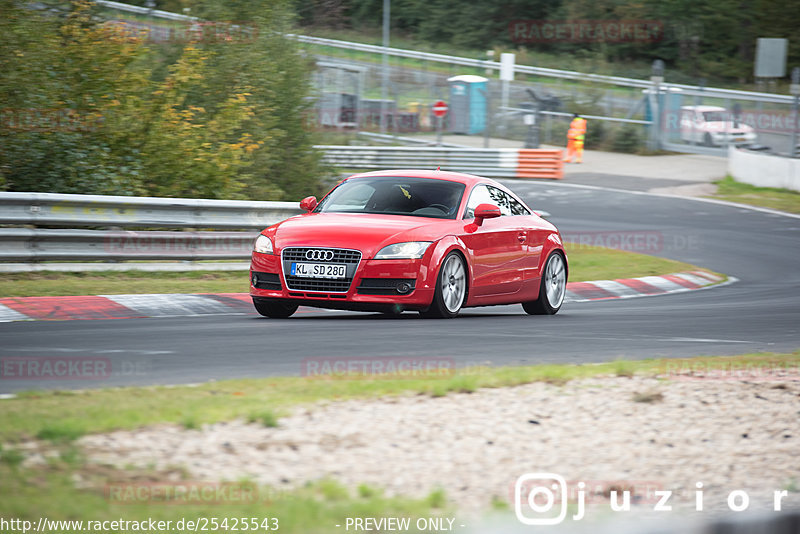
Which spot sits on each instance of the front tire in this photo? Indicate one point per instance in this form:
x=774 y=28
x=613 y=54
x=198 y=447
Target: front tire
x=274 y=309
x=451 y=289
x=552 y=289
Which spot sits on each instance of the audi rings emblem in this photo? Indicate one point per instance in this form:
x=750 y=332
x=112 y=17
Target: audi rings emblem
x=319 y=255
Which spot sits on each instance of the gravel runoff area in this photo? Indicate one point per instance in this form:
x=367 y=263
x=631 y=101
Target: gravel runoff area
x=612 y=432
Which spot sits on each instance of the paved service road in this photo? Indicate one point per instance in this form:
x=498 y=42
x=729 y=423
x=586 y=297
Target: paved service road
x=760 y=312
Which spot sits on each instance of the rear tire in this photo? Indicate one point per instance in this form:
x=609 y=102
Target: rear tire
x=451 y=289
x=552 y=288
x=274 y=309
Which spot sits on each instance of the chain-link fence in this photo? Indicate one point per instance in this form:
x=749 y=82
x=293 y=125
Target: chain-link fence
x=628 y=117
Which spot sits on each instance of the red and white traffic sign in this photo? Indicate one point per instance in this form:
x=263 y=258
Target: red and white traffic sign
x=440 y=108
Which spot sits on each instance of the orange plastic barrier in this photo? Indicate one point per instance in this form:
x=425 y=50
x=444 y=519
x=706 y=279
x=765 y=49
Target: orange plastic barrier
x=539 y=163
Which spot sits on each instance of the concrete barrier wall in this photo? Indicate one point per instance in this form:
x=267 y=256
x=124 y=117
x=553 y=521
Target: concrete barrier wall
x=764 y=170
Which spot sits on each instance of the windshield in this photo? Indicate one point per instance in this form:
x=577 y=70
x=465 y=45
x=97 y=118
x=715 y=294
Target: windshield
x=392 y=195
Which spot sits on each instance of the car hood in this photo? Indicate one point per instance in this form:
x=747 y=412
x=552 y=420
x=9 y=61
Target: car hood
x=365 y=232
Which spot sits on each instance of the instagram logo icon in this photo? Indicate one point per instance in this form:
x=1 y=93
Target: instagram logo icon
x=535 y=496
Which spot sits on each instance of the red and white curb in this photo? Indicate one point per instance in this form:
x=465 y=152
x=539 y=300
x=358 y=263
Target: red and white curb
x=123 y=306
x=645 y=286
x=189 y=305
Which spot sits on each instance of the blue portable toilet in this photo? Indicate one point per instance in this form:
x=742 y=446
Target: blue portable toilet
x=670 y=100
x=467 y=114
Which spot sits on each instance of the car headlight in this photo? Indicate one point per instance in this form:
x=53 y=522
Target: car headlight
x=411 y=250
x=263 y=245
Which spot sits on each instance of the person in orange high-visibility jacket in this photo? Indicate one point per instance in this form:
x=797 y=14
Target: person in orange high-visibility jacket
x=575 y=137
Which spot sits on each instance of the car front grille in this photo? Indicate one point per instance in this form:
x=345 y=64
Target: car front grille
x=350 y=258
x=340 y=255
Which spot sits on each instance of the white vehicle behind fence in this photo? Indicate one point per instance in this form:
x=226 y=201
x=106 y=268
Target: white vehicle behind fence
x=713 y=126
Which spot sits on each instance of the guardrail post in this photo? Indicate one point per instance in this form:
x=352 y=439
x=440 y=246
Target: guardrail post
x=795 y=90
x=655 y=129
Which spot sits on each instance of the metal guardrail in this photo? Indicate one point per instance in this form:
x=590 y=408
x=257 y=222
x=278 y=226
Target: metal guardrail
x=31 y=245
x=145 y=11
x=691 y=90
x=82 y=242
x=49 y=209
x=471 y=62
x=524 y=111
x=387 y=138
x=495 y=162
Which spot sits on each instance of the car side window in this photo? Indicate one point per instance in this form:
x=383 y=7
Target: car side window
x=516 y=207
x=487 y=194
x=501 y=199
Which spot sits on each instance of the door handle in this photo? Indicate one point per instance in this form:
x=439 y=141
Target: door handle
x=522 y=237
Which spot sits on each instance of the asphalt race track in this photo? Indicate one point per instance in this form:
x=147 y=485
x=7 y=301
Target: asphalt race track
x=760 y=312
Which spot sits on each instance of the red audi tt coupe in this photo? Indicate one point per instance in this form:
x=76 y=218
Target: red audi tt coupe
x=430 y=241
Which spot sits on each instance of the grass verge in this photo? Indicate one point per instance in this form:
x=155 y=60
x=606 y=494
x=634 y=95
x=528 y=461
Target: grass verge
x=598 y=263
x=51 y=491
x=767 y=197
x=63 y=416
x=586 y=263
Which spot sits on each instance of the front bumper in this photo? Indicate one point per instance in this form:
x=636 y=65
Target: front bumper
x=375 y=285
x=733 y=138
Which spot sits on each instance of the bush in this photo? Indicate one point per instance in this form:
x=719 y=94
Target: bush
x=596 y=133
x=626 y=140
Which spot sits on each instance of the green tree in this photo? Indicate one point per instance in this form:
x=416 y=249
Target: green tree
x=277 y=75
x=90 y=108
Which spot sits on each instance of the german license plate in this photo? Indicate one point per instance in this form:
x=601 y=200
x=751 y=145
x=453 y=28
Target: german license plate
x=318 y=270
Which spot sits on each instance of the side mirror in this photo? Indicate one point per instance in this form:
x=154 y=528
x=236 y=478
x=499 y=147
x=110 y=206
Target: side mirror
x=308 y=204
x=486 y=211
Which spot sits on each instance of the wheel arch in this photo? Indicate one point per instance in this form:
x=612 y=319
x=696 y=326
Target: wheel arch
x=445 y=246
x=553 y=243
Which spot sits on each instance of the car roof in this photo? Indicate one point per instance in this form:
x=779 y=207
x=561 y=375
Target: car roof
x=703 y=108
x=467 y=179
